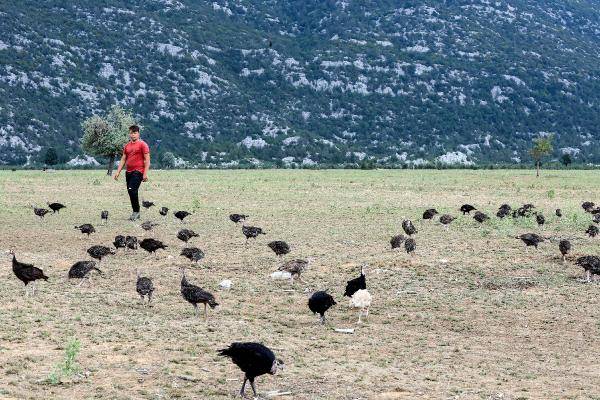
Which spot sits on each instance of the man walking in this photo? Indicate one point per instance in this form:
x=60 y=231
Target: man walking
x=136 y=155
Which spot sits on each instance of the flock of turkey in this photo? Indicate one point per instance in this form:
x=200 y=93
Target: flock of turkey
x=255 y=359
x=591 y=264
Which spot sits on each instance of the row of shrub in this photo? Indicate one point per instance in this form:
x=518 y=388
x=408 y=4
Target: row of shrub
x=363 y=166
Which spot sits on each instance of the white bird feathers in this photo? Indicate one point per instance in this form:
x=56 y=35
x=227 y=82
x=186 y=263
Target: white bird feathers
x=361 y=299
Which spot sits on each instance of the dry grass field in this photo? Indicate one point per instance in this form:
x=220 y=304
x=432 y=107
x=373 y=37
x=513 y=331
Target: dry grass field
x=475 y=315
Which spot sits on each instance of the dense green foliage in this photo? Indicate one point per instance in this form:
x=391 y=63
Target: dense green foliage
x=51 y=156
x=168 y=160
x=566 y=160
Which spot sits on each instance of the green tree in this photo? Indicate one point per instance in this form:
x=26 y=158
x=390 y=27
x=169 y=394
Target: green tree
x=367 y=164
x=542 y=146
x=51 y=156
x=106 y=135
x=168 y=160
x=566 y=160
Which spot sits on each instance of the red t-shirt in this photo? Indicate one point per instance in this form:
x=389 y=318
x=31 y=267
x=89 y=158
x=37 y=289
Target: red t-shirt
x=134 y=155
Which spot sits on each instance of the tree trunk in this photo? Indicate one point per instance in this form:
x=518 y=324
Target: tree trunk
x=537 y=169
x=111 y=165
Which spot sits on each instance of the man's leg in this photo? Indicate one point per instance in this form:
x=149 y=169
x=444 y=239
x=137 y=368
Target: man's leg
x=134 y=180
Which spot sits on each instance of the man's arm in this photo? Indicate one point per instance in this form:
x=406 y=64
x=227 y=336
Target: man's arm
x=121 y=164
x=146 y=166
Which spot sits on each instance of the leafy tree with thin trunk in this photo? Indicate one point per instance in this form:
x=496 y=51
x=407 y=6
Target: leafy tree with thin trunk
x=106 y=135
x=542 y=146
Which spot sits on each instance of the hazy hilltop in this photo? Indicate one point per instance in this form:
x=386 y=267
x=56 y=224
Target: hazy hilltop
x=282 y=82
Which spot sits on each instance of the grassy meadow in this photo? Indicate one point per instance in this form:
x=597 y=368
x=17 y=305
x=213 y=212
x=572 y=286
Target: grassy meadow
x=474 y=315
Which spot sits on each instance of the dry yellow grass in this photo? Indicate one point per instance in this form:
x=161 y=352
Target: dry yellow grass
x=476 y=315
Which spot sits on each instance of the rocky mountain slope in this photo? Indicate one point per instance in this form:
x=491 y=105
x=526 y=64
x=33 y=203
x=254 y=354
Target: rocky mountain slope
x=242 y=82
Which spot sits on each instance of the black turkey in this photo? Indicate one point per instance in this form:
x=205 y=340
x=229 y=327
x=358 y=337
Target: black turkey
x=237 y=217
x=186 y=234
x=356 y=284
x=320 y=302
x=591 y=265
x=467 y=208
x=104 y=216
x=40 y=212
x=193 y=254
x=429 y=213
x=279 y=247
x=144 y=287
x=503 y=211
x=480 y=217
x=596 y=218
x=528 y=207
x=526 y=211
x=592 y=230
x=446 y=219
x=131 y=242
x=181 y=215
x=558 y=212
x=588 y=206
x=408 y=227
x=148 y=225
x=99 y=252
x=152 y=245
x=87 y=229
x=564 y=246
x=163 y=211
x=252 y=232
x=254 y=359
x=147 y=204
x=81 y=270
x=539 y=218
x=396 y=241
x=196 y=295
x=56 y=207
x=531 y=239
x=26 y=273
x=410 y=245
x=120 y=242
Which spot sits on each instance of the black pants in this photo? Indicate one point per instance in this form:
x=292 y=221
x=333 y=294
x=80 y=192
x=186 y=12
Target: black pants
x=134 y=180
